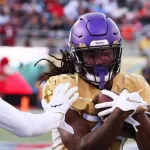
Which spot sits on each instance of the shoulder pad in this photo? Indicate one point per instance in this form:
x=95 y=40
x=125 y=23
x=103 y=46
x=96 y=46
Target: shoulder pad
x=53 y=81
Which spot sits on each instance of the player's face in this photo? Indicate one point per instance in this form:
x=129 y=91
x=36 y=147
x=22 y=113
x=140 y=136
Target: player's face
x=98 y=58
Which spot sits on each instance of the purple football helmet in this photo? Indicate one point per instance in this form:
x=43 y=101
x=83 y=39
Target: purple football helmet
x=96 y=47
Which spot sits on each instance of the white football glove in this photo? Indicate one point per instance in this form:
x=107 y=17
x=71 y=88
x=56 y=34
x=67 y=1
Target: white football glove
x=124 y=101
x=60 y=102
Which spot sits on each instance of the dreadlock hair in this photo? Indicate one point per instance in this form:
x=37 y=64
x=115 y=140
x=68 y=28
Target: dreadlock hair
x=66 y=65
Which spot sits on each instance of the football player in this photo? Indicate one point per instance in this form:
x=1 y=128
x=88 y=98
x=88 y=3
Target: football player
x=26 y=124
x=93 y=64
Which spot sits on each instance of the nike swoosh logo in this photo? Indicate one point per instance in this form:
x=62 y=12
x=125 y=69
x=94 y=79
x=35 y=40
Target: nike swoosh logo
x=56 y=105
x=130 y=100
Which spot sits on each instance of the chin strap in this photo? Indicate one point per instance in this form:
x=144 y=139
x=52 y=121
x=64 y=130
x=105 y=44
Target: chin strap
x=101 y=72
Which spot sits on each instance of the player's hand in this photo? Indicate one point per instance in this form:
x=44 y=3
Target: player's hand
x=63 y=97
x=61 y=101
x=124 y=101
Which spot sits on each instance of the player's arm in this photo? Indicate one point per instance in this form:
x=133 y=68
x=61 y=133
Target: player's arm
x=142 y=137
x=125 y=102
x=84 y=139
x=143 y=134
x=27 y=124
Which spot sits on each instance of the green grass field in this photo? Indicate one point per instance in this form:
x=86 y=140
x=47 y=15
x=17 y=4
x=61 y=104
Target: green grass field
x=6 y=136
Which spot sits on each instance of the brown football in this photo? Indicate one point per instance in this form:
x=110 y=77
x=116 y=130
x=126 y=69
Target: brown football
x=102 y=98
x=127 y=130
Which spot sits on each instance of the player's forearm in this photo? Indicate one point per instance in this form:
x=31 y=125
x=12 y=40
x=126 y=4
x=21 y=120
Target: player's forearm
x=143 y=135
x=40 y=123
x=26 y=124
x=104 y=136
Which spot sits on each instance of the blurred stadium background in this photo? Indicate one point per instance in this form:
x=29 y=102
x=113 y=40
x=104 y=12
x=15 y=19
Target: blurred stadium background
x=31 y=29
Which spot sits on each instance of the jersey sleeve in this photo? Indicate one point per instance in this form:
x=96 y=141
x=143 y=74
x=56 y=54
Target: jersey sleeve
x=145 y=93
x=133 y=83
x=53 y=81
x=145 y=89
